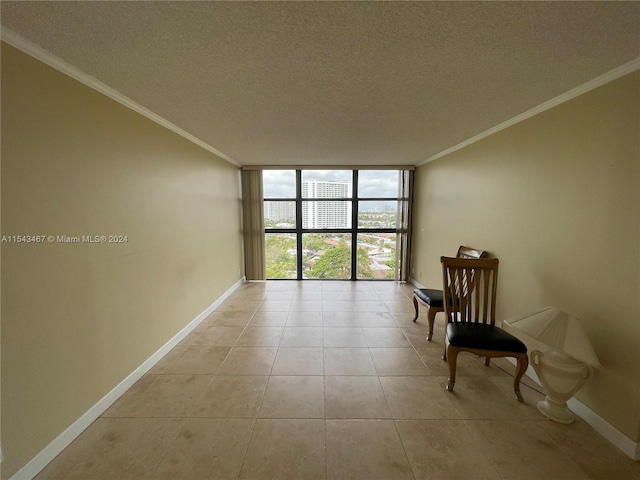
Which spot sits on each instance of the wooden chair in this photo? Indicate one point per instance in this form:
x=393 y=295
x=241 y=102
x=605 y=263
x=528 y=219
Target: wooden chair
x=469 y=305
x=432 y=299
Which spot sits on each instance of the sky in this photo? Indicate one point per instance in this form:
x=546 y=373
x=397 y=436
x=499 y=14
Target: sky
x=371 y=183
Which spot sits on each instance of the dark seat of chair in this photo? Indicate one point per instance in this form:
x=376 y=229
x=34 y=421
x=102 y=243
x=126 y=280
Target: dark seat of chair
x=431 y=297
x=483 y=336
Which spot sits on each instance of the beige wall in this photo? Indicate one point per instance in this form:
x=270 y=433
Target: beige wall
x=78 y=318
x=557 y=199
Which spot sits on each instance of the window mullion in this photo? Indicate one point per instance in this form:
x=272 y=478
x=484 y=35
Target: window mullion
x=299 y=223
x=354 y=226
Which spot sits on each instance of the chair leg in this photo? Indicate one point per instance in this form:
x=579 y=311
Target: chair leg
x=431 y=318
x=523 y=363
x=415 y=304
x=452 y=353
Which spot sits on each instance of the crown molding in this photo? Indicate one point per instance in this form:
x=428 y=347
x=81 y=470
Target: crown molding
x=19 y=42
x=46 y=57
x=607 y=77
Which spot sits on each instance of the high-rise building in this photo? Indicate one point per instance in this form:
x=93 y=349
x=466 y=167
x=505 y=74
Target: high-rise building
x=326 y=214
x=280 y=211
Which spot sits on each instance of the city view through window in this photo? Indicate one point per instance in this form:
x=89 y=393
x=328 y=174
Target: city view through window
x=310 y=228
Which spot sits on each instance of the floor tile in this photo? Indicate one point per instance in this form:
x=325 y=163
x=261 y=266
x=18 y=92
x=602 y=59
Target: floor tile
x=260 y=337
x=343 y=337
x=480 y=398
x=306 y=305
x=337 y=306
x=340 y=319
x=527 y=409
x=338 y=296
x=348 y=361
x=370 y=306
x=432 y=358
x=385 y=337
x=299 y=361
x=376 y=320
x=405 y=320
x=227 y=319
x=239 y=306
x=279 y=286
x=308 y=294
x=444 y=449
x=206 y=448
x=275 y=306
x=302 y=337
x=469 y=364
x=269 y=319
x=523 y=449
x=111 y=448
x=394 y=296
x=248 y=361
x=286 y=449
x=398 y=361
x=167 y=396
x=400 y=306
x=595 y=455
x=192 y=360
x=304 y=319
x=418 y=338
x=232 y=396
x=365 y=295
x=355 y=397
x=280 y=295
x=366 y=450
x=212 y=336
x=418 y=397
x=254 y=295
x=293 y=397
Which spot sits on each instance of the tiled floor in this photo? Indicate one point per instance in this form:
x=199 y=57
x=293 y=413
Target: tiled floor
x=306 y=380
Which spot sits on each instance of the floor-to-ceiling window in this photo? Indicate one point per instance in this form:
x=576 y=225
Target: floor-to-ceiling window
x=331 y=224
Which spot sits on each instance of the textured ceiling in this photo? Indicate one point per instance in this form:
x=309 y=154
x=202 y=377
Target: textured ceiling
x=333 y=83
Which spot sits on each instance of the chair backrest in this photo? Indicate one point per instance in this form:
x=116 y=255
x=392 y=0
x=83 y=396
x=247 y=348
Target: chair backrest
x=469 y=293
x=468 y=252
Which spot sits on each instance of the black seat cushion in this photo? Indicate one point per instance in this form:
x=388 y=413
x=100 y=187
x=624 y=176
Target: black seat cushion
x=486 y=337
x=433 y=298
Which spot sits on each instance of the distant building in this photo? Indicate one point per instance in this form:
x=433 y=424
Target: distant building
x=280 y=211
x=329 y=214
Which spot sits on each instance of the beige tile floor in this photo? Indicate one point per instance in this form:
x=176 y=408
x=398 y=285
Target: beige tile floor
x=306 y=380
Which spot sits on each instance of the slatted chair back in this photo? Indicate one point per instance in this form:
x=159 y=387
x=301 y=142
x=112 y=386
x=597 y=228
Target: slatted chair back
x=433 y=298
x=470 y=289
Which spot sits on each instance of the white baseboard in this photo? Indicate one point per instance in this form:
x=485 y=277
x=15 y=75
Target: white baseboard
x=42 y=459
x=595 y=421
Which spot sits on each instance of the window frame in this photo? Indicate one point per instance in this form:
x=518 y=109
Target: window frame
x=354 y=230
